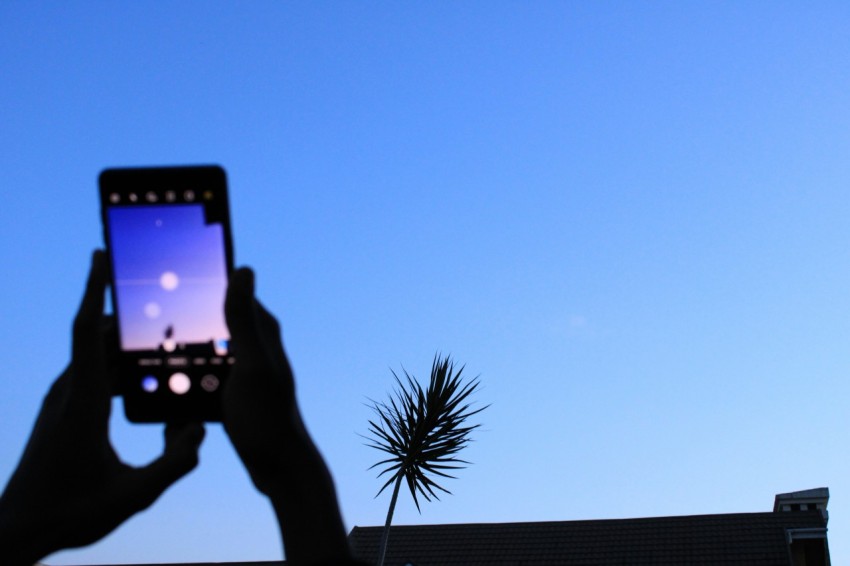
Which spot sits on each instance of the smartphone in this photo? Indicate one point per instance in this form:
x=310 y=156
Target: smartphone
x=168 y=238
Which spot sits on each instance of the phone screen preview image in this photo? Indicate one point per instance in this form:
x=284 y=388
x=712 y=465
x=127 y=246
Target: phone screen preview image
x=168 y=237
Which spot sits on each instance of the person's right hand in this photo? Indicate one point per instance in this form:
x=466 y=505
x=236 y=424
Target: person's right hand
x=261 y=418
x=260 y=412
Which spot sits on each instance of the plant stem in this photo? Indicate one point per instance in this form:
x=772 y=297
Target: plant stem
x=386 y=538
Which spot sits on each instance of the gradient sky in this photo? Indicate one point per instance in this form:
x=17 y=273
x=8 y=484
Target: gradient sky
x=630 y=218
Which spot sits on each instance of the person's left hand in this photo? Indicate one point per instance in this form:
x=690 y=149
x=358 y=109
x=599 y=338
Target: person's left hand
x=70 y=488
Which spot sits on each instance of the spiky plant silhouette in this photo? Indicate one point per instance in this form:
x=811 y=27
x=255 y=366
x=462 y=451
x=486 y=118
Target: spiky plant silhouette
x=422 y=430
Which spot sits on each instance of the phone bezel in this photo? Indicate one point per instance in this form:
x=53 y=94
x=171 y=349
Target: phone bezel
x=140 y=406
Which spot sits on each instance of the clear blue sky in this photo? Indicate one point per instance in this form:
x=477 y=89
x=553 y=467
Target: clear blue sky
x=630 y=218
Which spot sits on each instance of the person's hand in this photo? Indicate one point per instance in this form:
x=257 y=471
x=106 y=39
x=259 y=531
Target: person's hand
x=261 y=418
x=70 y=488
x=260 y=412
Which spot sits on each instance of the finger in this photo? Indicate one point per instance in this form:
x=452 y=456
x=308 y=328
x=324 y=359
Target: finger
x=182 y=441
x=112 y=346
x=135 y=489
x=270 y=331
x=87 y=361
x=144 y=485
x=91 y=308
x=240 y=312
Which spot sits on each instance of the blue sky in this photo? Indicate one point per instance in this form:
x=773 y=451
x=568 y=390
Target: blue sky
x=630 y=218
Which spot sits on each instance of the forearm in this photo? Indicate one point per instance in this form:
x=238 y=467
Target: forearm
x=305 y=502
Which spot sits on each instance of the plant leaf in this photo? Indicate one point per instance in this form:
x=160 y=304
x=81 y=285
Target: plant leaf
x=423 y=429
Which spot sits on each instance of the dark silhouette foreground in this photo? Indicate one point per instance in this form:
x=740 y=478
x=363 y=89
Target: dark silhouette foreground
x=70 y=489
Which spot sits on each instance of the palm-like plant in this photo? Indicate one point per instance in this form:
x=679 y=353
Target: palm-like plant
x=422 y=431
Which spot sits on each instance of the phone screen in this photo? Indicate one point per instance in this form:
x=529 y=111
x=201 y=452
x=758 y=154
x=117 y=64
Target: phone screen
x=168 y=238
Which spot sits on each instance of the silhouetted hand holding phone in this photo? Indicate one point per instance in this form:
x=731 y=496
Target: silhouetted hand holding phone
x=264 y=424
x=70 y=488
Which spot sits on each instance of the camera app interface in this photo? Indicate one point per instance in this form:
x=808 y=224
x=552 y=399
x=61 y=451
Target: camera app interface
x=170 y=278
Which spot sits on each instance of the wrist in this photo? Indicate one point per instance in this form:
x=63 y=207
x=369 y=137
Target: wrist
x=296 y=460
x=276 y=449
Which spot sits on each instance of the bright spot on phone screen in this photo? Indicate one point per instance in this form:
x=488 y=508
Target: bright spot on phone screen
x=152 y=310
x=169 y=280
x=179 y=383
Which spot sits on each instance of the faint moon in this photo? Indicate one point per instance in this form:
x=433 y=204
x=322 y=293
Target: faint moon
x=169 y=280
x=152 y=310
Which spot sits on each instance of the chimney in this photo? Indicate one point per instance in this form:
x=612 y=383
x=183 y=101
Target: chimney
x=807 y=500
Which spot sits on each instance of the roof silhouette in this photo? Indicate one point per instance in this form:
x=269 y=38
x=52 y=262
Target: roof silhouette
x=742 y=538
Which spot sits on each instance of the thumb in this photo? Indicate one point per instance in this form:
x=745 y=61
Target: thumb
x=240 y=312
x=178 y=459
